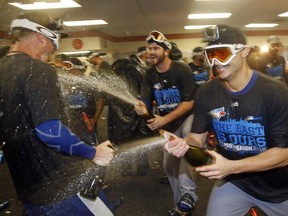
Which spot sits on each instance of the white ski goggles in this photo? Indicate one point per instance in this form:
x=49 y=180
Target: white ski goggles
x=159 y=38
x=25 y=23
x=222 y=53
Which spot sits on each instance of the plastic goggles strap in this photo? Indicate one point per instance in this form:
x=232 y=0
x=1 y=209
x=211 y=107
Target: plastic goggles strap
x=25 y=23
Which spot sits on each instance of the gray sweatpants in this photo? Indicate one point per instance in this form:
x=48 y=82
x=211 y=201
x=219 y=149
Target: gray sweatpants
x=228 y=200
x=178 y=170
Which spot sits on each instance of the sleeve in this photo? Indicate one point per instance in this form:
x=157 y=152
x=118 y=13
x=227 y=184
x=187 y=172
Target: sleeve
x=278 y=117
x=187 y=86
x=56 y=135
x=201 y=121
x=147 y=89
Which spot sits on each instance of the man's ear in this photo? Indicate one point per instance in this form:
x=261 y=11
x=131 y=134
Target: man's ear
x=245 y=52
x=41 y=38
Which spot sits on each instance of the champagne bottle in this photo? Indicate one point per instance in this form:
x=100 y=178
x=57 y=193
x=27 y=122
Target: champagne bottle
x=195 y=155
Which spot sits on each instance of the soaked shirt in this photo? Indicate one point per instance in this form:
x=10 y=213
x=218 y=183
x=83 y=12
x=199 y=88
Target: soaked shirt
x=29 y=94
x=247 y=123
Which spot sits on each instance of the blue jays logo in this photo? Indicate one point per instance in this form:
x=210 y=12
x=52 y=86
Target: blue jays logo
x=218 y=113
x=157 y=86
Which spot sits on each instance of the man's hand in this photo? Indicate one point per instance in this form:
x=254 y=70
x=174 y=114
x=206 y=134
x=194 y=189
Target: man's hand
x=221 y=167
x=175 y=145
x=141 y=108
x=157 y=122
x=104 y=153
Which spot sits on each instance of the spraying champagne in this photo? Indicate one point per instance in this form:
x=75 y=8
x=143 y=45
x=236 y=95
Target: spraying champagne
x=196 y=156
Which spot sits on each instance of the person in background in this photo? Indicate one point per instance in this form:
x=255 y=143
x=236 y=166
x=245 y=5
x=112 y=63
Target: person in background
x=248 y=112
x=101 y=66
x=170 y=84
x=201 y=71
x=273 y=63
x=136 y=69
x=59 y=59
x=175 y=53
x=44 y=157
x=82 y=104
x=253 y=57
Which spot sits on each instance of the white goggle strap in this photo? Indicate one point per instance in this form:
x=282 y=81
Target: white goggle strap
x=25 y=23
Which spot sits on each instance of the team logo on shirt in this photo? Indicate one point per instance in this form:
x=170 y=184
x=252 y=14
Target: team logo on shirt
x=218 y=113
x=157 y=86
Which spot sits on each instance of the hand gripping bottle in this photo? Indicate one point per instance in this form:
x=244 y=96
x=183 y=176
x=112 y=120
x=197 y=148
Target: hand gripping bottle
x=196 y=156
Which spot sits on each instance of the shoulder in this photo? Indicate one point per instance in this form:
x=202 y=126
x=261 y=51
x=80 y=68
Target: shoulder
x=180 y=67
x=269 y=84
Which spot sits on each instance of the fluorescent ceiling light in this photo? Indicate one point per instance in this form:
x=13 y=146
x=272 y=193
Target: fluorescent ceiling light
x=45 y=5
x=77 y=52
x=283 y=14
x=85 y=23
x=209 y=15
x=196 y=27
x=261 y=25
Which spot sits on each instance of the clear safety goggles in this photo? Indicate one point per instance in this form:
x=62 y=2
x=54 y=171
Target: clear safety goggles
x=159 y=38
x=222 y=53
x=25 y=23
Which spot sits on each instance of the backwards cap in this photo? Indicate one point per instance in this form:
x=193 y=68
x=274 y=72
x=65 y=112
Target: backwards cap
x=222 y=34
x=41 y=23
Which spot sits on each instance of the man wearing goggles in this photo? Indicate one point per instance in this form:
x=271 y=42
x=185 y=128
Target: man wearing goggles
x=247 y=111
x=45 y=157
x=273 y=63
x=170 y=84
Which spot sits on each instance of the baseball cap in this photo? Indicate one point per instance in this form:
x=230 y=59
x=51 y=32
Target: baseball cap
x=273 y=39
x=41 y=23
x=198 y=51
x=158 y=38
x=93 y=54
x=222 y=34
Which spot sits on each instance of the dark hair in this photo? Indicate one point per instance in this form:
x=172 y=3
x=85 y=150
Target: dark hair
x=175 y=53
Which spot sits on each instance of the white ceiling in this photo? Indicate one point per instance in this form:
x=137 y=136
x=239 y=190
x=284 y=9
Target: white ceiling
x=139 y=17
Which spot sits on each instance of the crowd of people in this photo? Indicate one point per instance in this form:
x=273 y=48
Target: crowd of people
x=49 y=126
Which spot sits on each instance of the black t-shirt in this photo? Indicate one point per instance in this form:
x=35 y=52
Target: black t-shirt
x=30 y=96
x=247 y=123
x=169 y=89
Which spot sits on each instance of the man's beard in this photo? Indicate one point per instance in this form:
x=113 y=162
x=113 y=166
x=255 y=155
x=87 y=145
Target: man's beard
x=159 y=60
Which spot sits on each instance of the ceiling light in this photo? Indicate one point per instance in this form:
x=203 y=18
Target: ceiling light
x=77 y=52
x=283 y=14
x=85 y=23
x=46 y=5
x=190 y=27
x=209 y=15
x=261 y=25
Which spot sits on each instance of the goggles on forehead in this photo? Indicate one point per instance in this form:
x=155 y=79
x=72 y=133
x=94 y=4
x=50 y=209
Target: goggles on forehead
x=158 y=37
x=25 y=23
x=222 y=53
